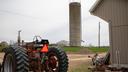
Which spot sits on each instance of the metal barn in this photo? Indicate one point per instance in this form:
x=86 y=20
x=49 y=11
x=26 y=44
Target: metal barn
x=115 y=12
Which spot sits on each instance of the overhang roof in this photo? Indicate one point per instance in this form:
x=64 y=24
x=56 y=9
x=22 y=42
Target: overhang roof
x=93 y=8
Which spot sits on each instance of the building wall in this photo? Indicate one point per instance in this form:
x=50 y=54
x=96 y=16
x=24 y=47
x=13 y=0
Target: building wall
x=75 y=23
x=115 y=12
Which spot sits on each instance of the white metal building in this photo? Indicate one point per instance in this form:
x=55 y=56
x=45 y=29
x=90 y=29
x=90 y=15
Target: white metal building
x=115 y=12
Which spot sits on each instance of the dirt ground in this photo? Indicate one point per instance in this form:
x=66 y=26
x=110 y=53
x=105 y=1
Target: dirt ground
x=77 y=59
x=74 y=59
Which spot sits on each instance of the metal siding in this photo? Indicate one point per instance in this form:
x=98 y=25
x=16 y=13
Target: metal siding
x=120 y=43
x=116 y=11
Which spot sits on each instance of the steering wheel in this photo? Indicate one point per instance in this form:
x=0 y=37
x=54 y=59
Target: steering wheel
x=37 y=39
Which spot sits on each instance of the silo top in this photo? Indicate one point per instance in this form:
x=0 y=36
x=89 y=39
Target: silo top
x=75 y=4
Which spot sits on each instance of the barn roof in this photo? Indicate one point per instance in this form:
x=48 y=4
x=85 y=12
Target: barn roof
x=96 y=4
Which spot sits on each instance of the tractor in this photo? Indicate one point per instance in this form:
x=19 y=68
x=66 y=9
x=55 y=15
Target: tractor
x=35 y=56
x=99 y=64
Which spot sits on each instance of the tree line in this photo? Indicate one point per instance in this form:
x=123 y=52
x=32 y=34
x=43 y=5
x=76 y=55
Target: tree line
x=3 y=44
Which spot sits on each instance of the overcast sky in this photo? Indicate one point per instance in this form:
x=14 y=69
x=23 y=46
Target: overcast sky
x=49 y=19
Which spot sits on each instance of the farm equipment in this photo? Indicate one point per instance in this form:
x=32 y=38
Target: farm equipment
x=35 y=56
x=99 y=64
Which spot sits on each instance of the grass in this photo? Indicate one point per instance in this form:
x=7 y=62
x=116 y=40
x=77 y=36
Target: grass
x=92 y=49
x=99 y=50
x=72 y=49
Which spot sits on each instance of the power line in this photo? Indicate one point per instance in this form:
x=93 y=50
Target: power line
x=19 y=14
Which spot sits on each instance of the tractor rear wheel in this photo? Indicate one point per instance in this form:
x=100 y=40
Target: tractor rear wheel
x=15 y=60
x=58 y=60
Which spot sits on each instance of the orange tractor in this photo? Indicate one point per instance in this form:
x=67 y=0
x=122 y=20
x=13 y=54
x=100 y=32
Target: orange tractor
x=34 y=56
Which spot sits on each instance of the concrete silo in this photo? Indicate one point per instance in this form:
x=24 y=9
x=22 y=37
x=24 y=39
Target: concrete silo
x=75 y=23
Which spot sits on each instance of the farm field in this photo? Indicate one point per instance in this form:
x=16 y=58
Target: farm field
x=78 y=60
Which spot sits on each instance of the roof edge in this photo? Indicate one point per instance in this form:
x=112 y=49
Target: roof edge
x=95 y=6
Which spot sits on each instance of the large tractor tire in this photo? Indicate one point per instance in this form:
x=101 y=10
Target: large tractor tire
x=15 y=60
x=58 y=60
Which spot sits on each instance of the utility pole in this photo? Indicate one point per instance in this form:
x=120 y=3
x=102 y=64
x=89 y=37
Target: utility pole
x=19 y=38
x=99 y=35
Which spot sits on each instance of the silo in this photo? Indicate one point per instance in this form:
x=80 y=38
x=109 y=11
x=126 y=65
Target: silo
x=75 y=23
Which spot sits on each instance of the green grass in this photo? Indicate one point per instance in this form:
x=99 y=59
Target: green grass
x=72 y=49
x=92 y=49
x=99 y=50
